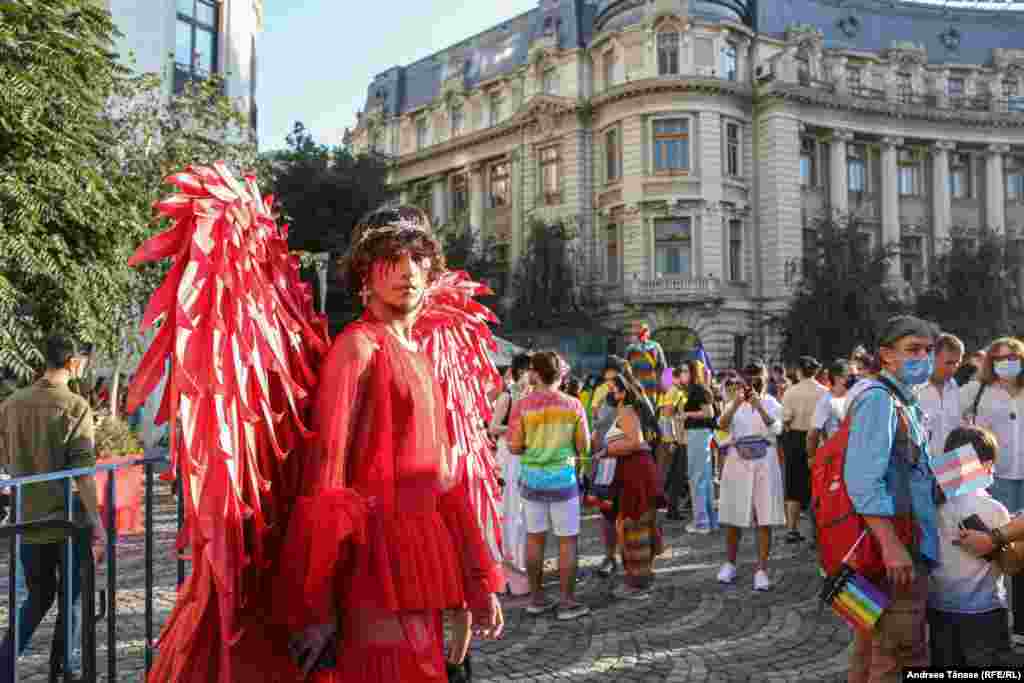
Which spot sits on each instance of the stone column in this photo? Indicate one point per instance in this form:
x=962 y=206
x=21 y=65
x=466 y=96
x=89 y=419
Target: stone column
x=440 y=200
x=838 y=184
x=891 y=201
x=707 y=251
x=476 y=200
x=942 y=216
x=995 y=188
x=779 y=230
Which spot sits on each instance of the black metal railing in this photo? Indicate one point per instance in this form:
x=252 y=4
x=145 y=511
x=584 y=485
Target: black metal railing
x=108 y=597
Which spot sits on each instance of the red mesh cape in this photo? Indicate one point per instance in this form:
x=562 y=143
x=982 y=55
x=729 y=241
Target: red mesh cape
x=242 y=349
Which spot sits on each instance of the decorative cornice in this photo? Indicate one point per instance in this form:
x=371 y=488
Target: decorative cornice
x=943 y=146
x=891 y=141
x=841 y=135
x=696 y=84
x=998 y=148
x=830 y=100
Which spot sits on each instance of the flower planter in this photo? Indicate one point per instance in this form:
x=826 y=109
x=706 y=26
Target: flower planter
x=129 y=483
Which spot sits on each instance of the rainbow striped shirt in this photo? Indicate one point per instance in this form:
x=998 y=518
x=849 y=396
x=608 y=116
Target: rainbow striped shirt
x=548 y=425
x=648 y=360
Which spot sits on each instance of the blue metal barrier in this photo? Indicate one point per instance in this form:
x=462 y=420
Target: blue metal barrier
x=108 y=606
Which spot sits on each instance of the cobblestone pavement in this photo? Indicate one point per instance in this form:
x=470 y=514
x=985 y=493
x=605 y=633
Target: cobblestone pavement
x=692 y=629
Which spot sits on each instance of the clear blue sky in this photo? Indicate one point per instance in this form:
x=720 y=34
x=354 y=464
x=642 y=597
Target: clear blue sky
x=317 y=57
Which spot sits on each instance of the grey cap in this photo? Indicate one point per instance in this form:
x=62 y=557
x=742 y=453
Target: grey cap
x=905 y=326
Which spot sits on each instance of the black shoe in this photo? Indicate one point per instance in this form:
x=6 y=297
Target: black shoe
x=794 y=537
x=674 y=515
x=607 y=568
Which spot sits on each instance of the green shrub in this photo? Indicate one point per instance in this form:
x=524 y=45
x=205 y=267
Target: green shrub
x=114 y=437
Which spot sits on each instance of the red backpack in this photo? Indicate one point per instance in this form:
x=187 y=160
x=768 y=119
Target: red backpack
x=843 y=535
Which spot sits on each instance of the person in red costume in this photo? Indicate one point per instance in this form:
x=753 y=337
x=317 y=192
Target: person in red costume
x=381 y=539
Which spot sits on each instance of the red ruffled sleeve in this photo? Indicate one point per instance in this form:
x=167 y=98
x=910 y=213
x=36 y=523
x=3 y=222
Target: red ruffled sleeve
x=317 y=550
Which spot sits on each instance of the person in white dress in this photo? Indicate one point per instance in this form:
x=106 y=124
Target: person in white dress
x=751 y=484
x=513 y=530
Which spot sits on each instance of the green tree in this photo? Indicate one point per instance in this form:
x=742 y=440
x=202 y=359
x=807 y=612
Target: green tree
x=841 y=298
x=971 y=290
x=551 y=270
x=57 y=226
x=322 y=191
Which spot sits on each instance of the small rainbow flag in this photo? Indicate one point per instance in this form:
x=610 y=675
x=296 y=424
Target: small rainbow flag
x=858 y=601
x=960 y=471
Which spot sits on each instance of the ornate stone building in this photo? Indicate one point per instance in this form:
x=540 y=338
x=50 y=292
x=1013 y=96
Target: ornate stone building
x=694 y=143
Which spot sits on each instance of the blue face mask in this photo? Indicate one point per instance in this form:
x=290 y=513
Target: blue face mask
x=1007 y=369
x=916 y=371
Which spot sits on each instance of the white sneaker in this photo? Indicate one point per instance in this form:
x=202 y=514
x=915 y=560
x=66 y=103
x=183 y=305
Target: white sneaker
x=692 y=529
x=761 y=581
x=727 y=574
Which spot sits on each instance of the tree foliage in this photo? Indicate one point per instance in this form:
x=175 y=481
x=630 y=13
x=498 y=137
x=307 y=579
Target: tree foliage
x=57 y=72
x=84 y=148
x=551 y=270
x=841 y=298
x=971 y=290
x=322 y=191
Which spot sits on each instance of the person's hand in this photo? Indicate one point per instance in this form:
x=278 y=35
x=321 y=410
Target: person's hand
x=899 y=568
x=489 y=623
x=307 y=647
x=460 y=622
x=975 y=542
x=99 y=542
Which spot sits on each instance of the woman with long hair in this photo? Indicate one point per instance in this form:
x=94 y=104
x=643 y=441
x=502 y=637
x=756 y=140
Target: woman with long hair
x=995 y=400
x=636 y=481
x=513 y=520
x=700 y=424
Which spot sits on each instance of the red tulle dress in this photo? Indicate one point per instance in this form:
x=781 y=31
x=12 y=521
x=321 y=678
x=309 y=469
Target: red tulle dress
x=382 y=536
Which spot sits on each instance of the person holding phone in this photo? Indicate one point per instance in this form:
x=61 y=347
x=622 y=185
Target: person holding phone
x=967 y=607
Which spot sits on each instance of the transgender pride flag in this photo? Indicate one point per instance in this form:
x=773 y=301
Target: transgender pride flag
x=960 y=471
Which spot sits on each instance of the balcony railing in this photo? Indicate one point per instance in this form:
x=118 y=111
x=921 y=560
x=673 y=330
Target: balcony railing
x=673 y=288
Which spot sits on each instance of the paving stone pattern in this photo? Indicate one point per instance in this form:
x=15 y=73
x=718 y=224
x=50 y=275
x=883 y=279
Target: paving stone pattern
x=691 y=629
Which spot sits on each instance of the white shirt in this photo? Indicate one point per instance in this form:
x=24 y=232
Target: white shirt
x=747 y=422
x=964 y=583
x=829 y=414
x=1004 y=415
x=942 y=413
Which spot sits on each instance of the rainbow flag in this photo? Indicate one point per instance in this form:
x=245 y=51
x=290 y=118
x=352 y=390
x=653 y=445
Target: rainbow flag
x=858 y=601
x=960 y=471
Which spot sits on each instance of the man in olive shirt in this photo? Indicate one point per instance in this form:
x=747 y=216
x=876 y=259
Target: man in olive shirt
x=45 y=428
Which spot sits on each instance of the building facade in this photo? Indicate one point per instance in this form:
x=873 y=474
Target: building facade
x=185 y=40
x=694 y=145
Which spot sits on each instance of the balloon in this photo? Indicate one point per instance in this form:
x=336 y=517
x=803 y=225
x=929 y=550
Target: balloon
x=666 y=378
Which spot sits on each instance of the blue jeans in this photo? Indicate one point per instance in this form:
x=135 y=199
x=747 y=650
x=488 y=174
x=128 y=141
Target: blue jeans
x=42 y=567
x=1010 y=492
x=700 y=471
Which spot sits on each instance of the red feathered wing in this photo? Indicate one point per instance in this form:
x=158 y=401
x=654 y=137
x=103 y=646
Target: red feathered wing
x=453 y=329
x=242 y=344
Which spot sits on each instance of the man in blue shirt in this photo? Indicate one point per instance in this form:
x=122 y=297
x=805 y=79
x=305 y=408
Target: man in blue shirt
x=888 y=476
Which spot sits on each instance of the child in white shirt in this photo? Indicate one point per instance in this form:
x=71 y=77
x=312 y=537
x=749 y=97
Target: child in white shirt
x=967 y=609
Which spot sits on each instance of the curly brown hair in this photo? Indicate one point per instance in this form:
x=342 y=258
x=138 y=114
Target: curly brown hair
x=380 y=235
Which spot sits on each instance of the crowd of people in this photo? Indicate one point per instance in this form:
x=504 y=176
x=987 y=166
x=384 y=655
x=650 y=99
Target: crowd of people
x=735 y=450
